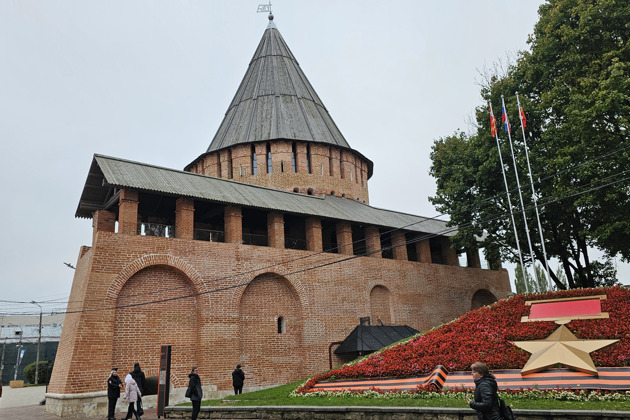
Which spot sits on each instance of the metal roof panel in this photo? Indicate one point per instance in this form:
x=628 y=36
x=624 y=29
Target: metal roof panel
x=123 y=173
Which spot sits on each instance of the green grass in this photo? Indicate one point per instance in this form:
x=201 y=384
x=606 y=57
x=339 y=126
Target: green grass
x=280 y=396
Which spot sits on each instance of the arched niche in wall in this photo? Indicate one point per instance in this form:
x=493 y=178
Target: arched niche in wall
x=481 y=298
x=270 y=328
x=380 y=305
x=140 y=330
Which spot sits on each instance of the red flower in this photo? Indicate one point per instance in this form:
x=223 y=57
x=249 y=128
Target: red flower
x=485 y=334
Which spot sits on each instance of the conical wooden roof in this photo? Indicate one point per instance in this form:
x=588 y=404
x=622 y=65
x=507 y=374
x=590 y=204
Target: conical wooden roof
x=274 y=101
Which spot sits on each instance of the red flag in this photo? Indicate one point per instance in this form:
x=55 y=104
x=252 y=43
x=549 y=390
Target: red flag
x=493 y=125
x=523 y=119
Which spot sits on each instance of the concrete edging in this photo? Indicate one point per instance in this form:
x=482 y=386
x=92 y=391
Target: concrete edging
x=376 y=413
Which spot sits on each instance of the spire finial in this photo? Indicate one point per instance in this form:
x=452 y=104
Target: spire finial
x=262 y=8
x=267 y=8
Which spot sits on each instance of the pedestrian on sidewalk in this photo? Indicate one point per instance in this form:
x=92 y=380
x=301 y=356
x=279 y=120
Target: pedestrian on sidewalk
x=194 y=391
x=486 y=400
x=138 y=375
x=132 y=394
x=238 y=377
x=114 y=385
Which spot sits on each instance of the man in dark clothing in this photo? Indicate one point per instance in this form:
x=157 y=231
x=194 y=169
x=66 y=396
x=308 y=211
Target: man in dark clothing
x=138 y=375
x=114 y=385
x=238 y=377
x=195 y=391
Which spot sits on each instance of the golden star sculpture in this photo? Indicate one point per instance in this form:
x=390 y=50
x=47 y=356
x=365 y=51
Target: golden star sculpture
x=562 y=346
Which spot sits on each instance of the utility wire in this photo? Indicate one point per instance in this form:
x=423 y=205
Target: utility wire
x=302 y=270
x=327 y=252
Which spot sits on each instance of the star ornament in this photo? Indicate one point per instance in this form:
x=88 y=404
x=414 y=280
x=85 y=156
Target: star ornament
x=562 y=346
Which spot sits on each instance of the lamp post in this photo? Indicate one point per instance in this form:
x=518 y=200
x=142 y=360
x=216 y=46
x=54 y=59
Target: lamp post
x=17 y=359
x=39 y=339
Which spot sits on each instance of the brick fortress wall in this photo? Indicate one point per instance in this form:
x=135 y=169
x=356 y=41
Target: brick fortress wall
x=233 y=297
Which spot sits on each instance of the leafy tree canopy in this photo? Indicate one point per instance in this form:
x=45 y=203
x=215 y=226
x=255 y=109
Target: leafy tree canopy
x=574 y=86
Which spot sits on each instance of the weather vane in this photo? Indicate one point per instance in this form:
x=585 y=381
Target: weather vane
x=262 y=8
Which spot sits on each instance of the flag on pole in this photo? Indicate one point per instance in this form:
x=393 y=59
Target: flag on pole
x=523 y=119
x=504 y=119
x=493 y=124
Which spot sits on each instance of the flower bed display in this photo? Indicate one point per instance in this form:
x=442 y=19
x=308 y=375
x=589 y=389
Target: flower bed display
x=485 y=335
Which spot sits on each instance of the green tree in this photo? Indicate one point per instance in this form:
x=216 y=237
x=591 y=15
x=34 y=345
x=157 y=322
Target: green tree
x=538 y=285
x=574 y=86
x=542 y=285
x=562 y=279
x=45 y=369
x=519 y=281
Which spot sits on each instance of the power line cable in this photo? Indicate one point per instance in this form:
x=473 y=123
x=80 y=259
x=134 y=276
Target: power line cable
x=386 y=232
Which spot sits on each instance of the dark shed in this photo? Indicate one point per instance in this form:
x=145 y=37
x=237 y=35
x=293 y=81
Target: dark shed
x=368 y=338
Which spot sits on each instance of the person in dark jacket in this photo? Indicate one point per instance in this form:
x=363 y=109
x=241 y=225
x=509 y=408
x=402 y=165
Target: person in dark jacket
x=194 y=391
x=114 y=385
x=486 y=401
x=238 y=377
x=138 y=375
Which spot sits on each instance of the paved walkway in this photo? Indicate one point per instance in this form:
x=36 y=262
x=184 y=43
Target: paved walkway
x=23 y=404
x=19 y=397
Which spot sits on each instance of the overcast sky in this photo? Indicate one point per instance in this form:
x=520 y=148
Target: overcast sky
x=150 y=81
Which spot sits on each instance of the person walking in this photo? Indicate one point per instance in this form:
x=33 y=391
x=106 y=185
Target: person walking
x=114 y=385
x=486 y=402
x=132 y=394
x=194 y=391
x=138 y=375
x=238 y=377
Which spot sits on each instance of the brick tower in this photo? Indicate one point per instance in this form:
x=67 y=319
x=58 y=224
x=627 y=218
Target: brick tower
x=263 y=251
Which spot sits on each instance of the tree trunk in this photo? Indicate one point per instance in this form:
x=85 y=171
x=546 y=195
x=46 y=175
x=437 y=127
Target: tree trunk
x=588 y=281
x=567 y=271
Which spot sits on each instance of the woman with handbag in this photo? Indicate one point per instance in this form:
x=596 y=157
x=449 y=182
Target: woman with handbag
x=132 y=393
x=194 y=391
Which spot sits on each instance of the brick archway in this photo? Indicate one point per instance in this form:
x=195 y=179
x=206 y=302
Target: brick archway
x=156 y=304
x=150 y=260
x=140 y=329
x=482 y=297
x=270 y=328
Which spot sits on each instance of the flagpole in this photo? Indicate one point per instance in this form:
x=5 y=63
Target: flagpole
x=507 y=192
x=531 y=182
x=518 y=184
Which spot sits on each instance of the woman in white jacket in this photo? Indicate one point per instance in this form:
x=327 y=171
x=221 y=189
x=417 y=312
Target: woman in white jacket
x=132 y=394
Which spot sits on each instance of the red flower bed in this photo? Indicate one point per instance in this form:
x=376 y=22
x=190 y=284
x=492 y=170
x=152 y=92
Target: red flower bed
x=485 y=334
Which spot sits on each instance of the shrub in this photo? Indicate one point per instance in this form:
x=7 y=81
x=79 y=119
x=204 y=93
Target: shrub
x=45 y=369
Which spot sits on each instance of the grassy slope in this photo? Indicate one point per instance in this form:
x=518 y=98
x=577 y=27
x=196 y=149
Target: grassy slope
x=618 y=307
x=280 y=396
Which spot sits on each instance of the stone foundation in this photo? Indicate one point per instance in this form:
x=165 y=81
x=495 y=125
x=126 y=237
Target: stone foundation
x=94 y=404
